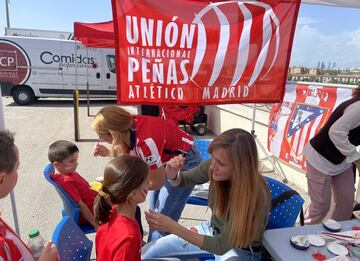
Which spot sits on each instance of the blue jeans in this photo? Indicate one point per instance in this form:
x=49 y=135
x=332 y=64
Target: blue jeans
x=170 y=200
x=174 y=246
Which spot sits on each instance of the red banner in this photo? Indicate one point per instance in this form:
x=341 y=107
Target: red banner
x=202 y=52
x=299 y=117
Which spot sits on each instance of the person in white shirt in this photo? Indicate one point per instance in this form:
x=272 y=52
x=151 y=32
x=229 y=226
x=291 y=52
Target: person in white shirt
x=329 y=157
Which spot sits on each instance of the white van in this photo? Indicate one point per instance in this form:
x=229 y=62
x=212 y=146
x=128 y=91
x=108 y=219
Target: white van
x=36 y=67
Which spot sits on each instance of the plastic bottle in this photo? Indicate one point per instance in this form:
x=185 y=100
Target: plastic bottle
x=36 y=243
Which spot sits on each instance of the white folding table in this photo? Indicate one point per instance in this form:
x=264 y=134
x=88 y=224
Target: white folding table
x=277 y=242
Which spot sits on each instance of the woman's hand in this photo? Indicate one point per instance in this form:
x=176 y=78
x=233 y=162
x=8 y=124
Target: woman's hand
x=173 y=166
x=160 y=222
x=49 y=253
x=100 y=150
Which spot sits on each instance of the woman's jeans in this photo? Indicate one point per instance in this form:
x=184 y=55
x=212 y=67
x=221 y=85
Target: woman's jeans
x=170 y=200
x=174 y=246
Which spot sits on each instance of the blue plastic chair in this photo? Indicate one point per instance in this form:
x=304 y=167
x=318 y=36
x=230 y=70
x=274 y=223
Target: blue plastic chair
x=284 y=214
x=70 y=241
x=70 y=208
x=202 y=146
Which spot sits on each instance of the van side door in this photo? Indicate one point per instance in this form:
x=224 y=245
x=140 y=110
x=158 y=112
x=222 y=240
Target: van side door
x=109 y=80
x=80 y=68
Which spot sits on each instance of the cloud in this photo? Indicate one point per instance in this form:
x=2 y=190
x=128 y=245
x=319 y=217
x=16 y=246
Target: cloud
x=303 y=20
x=354 y=38
x=312 y=45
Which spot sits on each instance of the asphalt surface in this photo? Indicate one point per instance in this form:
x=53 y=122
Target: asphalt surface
x=36 y=127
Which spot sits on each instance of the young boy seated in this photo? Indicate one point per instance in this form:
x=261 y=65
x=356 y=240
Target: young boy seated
x=64 y=156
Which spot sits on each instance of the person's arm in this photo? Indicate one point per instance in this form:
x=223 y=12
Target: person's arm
x=160 y=222
x=214 y=244
x=189 y=178
x=86 y=213
x=339 y=132
x=195 y=176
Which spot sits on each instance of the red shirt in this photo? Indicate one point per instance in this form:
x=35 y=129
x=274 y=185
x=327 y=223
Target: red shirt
x=11 y=246
x=158 y=140
x=77 y=188
x=118 y=240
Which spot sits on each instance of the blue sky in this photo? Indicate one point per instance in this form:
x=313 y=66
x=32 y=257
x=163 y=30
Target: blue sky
x=322 y=33
x=327 y=34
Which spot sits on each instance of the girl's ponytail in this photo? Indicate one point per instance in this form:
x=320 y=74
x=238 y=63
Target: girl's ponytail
x=101 y=210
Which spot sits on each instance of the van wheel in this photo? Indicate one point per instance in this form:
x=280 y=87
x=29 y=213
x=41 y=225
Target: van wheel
x=23 y=95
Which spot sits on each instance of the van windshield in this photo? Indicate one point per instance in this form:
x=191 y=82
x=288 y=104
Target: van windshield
x=110 y=60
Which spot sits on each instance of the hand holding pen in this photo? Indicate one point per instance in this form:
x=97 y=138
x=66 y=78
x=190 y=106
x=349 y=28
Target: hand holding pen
x=173 y=167
x=100 y=150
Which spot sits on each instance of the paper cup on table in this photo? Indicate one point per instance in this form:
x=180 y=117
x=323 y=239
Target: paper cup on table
x=316 y=240
x=337 y=249
x=300 y=242
x=331 y=225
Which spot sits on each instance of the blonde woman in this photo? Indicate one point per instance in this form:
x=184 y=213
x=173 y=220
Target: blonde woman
x=238 y=197
x=155 y=141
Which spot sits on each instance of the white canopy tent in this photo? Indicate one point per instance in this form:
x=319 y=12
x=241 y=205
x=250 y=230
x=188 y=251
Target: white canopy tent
x=334 y=3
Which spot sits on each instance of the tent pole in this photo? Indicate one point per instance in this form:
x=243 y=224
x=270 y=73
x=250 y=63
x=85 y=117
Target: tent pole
x=13 y=207
x=76 y=95
x=12 y=195
x=7 y=13
x=87 y=86
x=76 y=75
x=275 y=168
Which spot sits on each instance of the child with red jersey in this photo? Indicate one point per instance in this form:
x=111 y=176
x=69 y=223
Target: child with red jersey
x=11 y=246
x=124 y=186
x=155 y=141
x=64 y=156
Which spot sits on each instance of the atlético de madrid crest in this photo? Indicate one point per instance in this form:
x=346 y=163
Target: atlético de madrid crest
x=303 y=122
